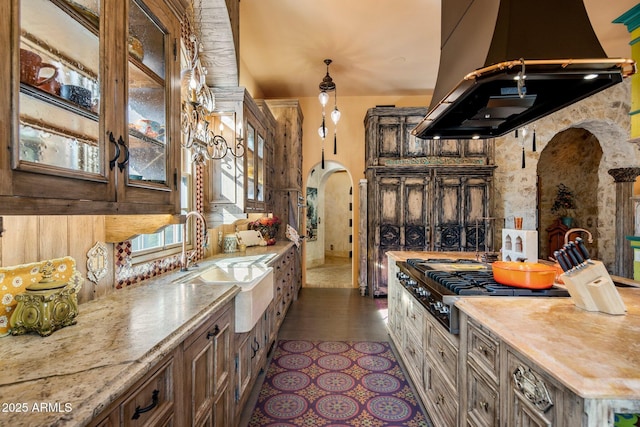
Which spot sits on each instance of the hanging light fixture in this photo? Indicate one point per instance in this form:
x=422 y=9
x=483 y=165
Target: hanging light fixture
x=198 y=104
x=327 y=85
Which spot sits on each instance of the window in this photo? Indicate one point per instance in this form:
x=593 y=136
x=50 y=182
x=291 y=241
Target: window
x=168 y=240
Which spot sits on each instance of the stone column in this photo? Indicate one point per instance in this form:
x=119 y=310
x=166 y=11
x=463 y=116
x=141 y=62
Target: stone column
x=362 y=238
x=625 y=218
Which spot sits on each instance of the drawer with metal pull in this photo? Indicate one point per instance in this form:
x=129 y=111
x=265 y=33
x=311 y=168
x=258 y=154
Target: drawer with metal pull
x=484 y=349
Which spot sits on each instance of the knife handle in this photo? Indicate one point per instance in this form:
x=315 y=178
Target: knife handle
x=583 y=248
x=572 y=258
x=576 y=253
x=565 y=258
x=562 y=261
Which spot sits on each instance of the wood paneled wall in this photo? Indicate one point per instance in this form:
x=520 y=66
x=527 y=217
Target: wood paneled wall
x=36 y=238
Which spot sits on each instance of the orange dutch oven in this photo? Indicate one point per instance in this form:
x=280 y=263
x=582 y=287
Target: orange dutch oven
x=530 y=275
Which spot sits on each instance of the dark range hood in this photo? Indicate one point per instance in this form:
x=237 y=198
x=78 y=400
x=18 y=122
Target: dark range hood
x=488 y=45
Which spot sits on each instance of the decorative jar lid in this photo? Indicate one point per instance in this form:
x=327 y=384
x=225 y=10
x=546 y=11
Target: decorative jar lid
x=46 y=283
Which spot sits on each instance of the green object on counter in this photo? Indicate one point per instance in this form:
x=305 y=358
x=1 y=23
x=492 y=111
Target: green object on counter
x=45 y=306
x=635 y=244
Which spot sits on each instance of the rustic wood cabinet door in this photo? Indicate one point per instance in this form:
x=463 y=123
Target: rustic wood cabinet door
x=422 y=195
x=76 y=139
x=207 y=373
x=461 y=213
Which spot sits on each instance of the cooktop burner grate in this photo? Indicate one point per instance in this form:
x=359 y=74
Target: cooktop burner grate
x=483 y=283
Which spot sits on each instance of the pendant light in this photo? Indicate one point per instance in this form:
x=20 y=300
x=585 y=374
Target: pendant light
x=327 y=85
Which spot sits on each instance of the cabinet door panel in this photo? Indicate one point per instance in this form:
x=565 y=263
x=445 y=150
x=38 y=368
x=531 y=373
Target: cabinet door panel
x=389 y=137
x=415 y=147
x=74 y=154
x=449 y=225
x=416 y=221
x=478 y=231
x=483 y=402
x=390 y=195
x=57 y=118
x=145 y=171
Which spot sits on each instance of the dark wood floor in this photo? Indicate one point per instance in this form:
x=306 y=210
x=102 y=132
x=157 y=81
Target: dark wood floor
x=333 y=315
x=327 y=314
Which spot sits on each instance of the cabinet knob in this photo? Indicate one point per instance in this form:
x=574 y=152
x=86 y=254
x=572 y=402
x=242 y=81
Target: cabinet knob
x=441 y=352
x=215 y=332
x=484 y=405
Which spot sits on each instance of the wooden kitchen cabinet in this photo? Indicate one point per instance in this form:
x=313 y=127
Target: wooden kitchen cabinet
x=251 y=358
x=208 y=374
x=192 y=386
x=252 y=348
x=480 y=403
x=151 y=402
x=503 y=387
x=422 y=195
x=92 y=127
x=285 y=164
x=287 y=281
x=237 y=186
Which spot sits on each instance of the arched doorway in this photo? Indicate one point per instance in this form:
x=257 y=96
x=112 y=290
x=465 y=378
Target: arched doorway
x=571 y=159
x=329 y=224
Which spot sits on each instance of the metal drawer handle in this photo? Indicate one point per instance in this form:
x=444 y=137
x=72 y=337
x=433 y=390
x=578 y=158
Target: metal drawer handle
x=154 y=402
x=112 y=162
x=123 y=163
x=440 y=399
x=484 y=405
x=441 y=351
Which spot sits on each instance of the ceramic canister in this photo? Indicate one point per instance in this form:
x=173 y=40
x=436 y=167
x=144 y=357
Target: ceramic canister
x=229 y=243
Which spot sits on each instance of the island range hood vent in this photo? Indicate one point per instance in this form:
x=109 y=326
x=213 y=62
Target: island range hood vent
x=506 y=63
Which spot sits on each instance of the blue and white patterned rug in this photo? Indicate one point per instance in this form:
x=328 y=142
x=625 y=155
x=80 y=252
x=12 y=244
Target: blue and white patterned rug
x=336 y=383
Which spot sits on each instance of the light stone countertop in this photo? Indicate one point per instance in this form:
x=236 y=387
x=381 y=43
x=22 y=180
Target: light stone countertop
x=596 y=355
x=81 y=369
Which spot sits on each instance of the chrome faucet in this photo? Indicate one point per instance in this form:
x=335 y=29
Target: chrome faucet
x=185 y=258
x=573 y=230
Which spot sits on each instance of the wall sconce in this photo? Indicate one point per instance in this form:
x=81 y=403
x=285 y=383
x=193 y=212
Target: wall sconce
x=197 y=119
x=327 y=85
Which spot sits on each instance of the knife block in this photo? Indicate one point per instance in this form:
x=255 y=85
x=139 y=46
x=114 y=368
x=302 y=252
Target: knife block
x=592 y=289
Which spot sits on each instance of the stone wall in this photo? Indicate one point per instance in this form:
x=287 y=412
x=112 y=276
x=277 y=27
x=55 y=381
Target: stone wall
x=606 y=116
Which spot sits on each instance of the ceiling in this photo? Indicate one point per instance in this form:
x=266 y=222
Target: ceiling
x=378 y=48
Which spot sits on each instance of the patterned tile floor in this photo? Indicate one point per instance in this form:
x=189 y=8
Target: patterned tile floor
x=335 y=383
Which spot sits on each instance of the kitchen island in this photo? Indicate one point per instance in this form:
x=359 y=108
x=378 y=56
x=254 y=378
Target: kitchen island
x=135 y=338
x=518 y=360
x=591 y=357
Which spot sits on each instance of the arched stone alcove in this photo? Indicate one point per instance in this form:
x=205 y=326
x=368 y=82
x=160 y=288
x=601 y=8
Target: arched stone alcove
x=572 y=158
x=606 y=117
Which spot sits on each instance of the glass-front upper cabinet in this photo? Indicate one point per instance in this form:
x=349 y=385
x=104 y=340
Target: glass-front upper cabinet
x=147 y=110
x=251 y=165
x=89 y=107
x=240 y=185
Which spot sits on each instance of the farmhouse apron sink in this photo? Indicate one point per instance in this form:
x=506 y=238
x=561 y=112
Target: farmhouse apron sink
x=256 y=284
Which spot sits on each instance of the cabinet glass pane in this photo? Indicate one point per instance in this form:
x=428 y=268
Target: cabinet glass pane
x=147 y=102
x=251 y=170
x=59 y=87
x=260 y=169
